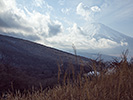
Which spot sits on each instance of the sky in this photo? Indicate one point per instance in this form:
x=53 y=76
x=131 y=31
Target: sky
x=56 y=23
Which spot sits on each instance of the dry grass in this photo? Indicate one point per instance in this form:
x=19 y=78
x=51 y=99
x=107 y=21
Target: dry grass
x=114 y=86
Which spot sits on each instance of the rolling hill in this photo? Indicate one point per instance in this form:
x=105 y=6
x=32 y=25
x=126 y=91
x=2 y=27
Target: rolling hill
x=28 y=64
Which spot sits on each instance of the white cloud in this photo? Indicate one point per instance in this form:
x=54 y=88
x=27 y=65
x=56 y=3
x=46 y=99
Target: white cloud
x=61 y=2
x=75 y=30
x=106 y=43
x=87 y=12
x=39 y=3
x=107 y=11
x=23 y=23
x=42 y=4
x=95 y=9
x=7 y=5
x=66 y=10
x=76 y=35
x=41 y=28
x=84 y=11
x=123 y=43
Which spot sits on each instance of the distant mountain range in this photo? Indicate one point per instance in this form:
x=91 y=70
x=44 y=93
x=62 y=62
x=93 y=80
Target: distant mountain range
x=106 y=41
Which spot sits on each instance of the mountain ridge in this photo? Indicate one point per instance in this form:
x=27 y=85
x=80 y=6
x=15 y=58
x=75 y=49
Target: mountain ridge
x=104 y=35
x=28 y=63
x=12 y=48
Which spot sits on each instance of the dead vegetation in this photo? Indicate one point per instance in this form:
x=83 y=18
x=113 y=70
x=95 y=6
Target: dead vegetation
x=114 y=86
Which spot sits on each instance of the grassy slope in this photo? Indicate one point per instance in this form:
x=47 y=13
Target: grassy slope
x=115 y=86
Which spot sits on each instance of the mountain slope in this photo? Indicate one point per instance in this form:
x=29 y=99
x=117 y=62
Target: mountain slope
x=21 y=51
x=28 y=64
x=109 y=41
x=102 y=31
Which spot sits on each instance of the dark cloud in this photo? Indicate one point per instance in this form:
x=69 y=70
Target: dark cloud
x=32 y=37
x=3 y=24
x=9 y=19
x=18 y=24
x=24 y=24
x=20 y=35
x=54 y=29
x=10 y=22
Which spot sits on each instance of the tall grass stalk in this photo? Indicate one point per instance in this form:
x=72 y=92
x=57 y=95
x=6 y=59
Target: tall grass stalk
x=113 y=86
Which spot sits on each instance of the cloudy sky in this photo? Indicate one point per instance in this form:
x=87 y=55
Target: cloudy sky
x=57 y=23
